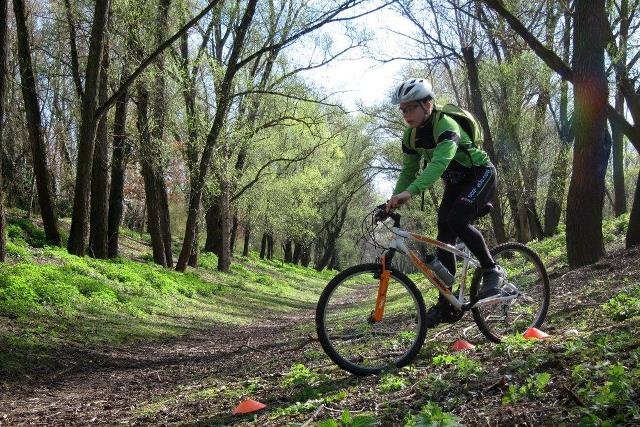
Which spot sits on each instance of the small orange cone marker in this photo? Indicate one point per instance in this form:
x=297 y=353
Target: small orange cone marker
x=535 y=334
x=248 y=406
x=462 y=345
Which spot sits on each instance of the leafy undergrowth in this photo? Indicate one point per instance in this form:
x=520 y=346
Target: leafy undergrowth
x=52 y=301
x=586 y=373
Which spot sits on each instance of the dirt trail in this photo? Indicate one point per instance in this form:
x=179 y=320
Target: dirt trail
x=114 y=386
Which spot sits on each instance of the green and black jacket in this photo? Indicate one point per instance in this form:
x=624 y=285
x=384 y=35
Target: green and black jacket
x=448 y=150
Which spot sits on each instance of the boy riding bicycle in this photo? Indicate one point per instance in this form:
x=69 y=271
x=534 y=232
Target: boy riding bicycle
x=469 y=183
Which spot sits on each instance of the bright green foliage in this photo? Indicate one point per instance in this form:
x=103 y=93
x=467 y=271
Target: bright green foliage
x=298 y=408
x=610 y=392
x=614 y=229
x=302 y=382
x=463 y=365
x=208 y=260
x=534 y=387
x=299 y=375
x=390 y=383
x=514 y=343
x=625 y=305
x=73 y=284
x=64 y=297
x=431 y=415
x=552 y=250
x=23 y=229
x=17 y=249
x=348 y=420
x=17 y=298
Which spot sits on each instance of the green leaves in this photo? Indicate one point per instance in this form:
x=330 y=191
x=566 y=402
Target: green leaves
x=624 y=305
x=347 y=420
x=431 y=415
x=535 y=386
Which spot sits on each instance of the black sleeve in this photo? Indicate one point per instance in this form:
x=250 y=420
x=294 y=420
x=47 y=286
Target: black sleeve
x=407 y=150
x=448 y=135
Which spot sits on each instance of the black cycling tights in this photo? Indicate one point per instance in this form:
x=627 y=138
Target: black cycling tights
x=457 y=211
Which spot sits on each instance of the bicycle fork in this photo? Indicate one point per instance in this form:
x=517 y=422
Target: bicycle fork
x=384 y=273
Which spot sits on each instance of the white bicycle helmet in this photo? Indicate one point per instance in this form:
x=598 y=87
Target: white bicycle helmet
x=412 y=90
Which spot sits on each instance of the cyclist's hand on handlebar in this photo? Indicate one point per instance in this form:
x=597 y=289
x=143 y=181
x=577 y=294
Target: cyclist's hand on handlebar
x=397 y=200
x=380 y=213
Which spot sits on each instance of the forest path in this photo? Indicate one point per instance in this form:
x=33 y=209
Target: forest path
x=161 y=382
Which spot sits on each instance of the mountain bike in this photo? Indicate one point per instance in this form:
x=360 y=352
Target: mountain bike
x=371 y=317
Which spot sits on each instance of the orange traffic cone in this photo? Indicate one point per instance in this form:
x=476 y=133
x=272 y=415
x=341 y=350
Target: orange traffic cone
x=462 y=345
x=248 y=406
x=534 y=334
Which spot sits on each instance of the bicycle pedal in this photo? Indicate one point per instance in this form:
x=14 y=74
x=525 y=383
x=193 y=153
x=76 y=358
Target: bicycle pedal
x=453 y=316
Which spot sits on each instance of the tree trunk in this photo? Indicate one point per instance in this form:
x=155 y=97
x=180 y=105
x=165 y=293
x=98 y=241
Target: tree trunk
x=332 y=237
x=3 y=73
x=288 y=249
x=118 y=167
x=224 y=258
x=619 y=191
x=163 y=215
x=270 y=246
x=560 y=170
x=297 y=253
x=100 y=171
x=147 y=157
x=555 y=193
x=327 y=251
x=214 y=227
x=305 y=259
x=34 y=126
x=158 y=107
x=87 y=132
x=620 y=196
x=590 y=155
x=234 y=232
x=247 y=236
x=517 y=207
x=195 y=252
x=633 y=230
x=223 y=102
x=533 y=166
x=263 y=245
x=480 y=113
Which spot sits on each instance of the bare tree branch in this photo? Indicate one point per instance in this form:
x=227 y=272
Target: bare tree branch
x=324 y=19
x=75 y=67
x=286 y=95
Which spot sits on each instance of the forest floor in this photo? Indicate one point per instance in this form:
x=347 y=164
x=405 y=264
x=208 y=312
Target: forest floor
x=588 y=370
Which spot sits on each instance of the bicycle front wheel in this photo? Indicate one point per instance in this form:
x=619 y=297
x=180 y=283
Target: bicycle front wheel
x=525 y=293
x=354 y=341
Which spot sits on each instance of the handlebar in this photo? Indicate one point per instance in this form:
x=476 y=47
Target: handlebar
x=380 y=214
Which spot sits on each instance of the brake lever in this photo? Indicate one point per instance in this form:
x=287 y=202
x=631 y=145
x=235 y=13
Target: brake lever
x=380 y=214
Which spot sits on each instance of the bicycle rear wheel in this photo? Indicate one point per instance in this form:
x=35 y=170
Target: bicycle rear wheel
x=356 y=343
x=527 y=279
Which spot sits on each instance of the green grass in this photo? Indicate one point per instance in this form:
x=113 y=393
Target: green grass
x=50 y=300
x=553 y=250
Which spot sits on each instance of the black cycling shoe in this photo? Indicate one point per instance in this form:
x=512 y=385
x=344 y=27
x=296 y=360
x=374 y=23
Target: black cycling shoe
x=442 y=312
x=491 y=282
